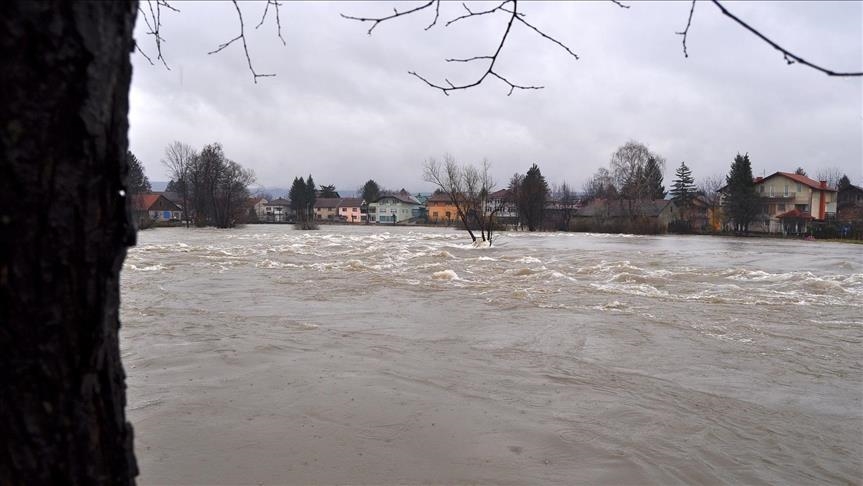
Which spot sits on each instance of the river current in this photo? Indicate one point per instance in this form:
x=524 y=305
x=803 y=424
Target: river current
x=381 y=355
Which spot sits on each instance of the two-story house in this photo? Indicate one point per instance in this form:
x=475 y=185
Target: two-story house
x=326 y=208
x=790 y=200
x=394 y=208
x=350 y=210
x=278 y=211
x=441 y=209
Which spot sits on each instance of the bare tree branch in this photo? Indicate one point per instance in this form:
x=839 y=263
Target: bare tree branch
x=513 y=14
x=436 y=14
x=790 y=58
x=242 y=37
x=154 y=26
x=396 y=14
x=686 y=30
x=564 y=47
x=276 y=6
x=619 y=4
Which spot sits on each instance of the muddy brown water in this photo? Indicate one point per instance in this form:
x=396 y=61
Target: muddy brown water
x=406 y=355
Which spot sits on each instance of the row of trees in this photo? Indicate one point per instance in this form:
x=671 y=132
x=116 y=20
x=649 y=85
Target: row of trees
x=213 y=188
x=303 y=197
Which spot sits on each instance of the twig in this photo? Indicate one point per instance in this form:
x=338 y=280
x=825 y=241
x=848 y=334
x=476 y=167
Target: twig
x=242 y=37
x=686 y=30
x=276 y=6
x=154 y=26
x=513 y=14
x=619 y=4
x=788 y=56
x=436 y=15
x=396 y=14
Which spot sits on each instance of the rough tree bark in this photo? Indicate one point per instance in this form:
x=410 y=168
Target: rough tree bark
x=64 y=229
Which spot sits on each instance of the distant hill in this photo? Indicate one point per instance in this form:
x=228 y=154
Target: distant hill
x=158 y=186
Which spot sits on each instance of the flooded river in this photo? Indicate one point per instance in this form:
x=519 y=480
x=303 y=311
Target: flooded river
x=265 y=355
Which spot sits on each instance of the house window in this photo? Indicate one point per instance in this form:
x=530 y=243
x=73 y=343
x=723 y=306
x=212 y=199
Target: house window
x=799 y=187
x=786 y=189
x=434 y=215
x=761 y=189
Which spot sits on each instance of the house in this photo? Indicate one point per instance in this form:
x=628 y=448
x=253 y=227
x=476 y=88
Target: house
x=152 y=208
x=278 y=211
x=394 y=208
x=441 y=209
x=326 y=208
x=849 y=205
x=504 y=207
x=256 y=208
x=350 y=210
x=789 y=200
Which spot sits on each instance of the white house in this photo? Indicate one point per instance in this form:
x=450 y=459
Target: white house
x=394 y=208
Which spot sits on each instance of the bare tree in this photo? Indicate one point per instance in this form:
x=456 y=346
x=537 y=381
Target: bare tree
x=831 y=175
x=468 y=188
x=634 y=171
x=708 y=189
x=179 y=158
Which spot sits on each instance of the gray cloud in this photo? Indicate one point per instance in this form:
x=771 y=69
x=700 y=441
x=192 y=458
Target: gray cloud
x=343 y=108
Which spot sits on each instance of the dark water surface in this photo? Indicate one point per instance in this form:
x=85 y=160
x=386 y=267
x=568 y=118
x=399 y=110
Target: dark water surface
x=404 y=355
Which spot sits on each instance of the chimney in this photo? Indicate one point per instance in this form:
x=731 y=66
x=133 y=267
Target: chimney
x=823 y=184
x=758 y=179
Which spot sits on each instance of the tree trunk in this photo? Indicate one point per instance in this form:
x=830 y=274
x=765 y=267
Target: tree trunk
x=64 y=228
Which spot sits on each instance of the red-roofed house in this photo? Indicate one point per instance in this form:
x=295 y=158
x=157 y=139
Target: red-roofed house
x=790 y=200
x=149 y=208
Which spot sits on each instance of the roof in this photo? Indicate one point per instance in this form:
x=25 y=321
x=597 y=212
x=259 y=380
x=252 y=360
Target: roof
x=402 y=196
x=439 y=197
x=278 y=202
x=795 y=213
x=253 y=201
x=800 y=179
x=350 y=202
x=142 y=202
x=500 y=194
x=327 y=202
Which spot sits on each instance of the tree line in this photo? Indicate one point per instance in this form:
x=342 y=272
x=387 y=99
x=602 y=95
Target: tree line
x=213 y=188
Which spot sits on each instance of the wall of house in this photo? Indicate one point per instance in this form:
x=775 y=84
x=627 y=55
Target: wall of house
x=351 y=214
x=387 y=209
x=437 y=212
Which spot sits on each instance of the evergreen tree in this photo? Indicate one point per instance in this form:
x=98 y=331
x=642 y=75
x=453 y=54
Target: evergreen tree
x=653 y=179
x=741 y=201
x=844 y=182
x=311 y=197
x=297 y=195
x=800 y=171
x=328 y=192
x=371 y=191
x=683 y=189
x=136 y=182
x=533 y=192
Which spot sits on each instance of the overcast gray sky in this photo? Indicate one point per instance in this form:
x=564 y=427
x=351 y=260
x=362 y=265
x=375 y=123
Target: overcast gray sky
x=343 y=108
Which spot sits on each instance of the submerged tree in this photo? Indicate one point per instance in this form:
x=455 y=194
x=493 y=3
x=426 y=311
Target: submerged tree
x=741 y=201
x=468 y=189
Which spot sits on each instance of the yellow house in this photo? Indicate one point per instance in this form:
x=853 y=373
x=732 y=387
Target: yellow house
x=441 y=210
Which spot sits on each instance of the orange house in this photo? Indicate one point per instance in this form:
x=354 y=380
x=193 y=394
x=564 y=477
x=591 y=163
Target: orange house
x=441 y=210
